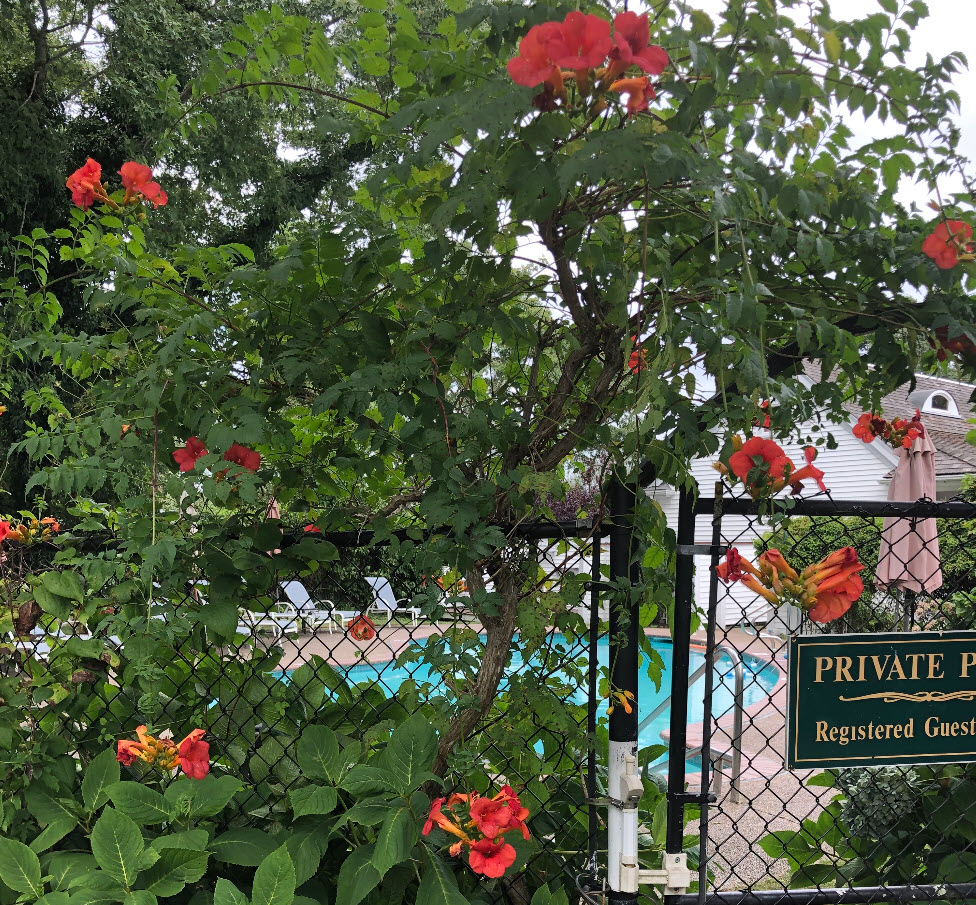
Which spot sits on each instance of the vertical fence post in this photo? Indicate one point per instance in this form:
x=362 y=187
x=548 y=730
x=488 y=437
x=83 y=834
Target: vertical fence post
x=684 y=593
x=623 y=781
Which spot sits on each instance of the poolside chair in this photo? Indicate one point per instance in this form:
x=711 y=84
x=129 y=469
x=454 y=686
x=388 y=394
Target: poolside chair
x=315 y=613
x=385 y=601
x=278 y=624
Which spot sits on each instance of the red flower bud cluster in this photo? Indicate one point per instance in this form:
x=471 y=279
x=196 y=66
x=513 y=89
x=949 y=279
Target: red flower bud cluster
x=826 y=590
x=192 y=755
x=489 y=818
x=581 y=49
x=949 y=244
x=86 y=186
x=30 y=530
x=764 y=469
x=194 y=449
x=898 y=434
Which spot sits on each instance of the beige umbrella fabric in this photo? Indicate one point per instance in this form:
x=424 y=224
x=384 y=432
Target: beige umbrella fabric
x=909 y=554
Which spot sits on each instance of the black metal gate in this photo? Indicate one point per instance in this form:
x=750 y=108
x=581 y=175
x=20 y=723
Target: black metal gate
x=767 y=834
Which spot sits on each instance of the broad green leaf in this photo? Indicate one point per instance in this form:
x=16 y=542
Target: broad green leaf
x=365 y=779
x=357 y=876
x=175 y=868
x=202 y=797
x=247 y=846
x=226 y=893
x=313 y=800
x=543 y=896
x=396 y=839
x=64 y=584
x=438 y=885
x=411 y=751
x=117 y=843
x=52 y=833
x=274 y=880
x=191 y=839
x=65 y=867
x=318 y=753
x=20 y=868
x=102 y=772
x=139 y=897
x=57 y=897
x=144 y=805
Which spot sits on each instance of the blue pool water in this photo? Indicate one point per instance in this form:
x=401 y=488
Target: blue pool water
x=760 y=678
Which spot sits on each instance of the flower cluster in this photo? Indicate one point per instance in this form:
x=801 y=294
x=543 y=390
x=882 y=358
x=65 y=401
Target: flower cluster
x=825 y=590
x=764 y=469
x=86 y=186
x=192 y=755
x=362 y=628
x=489 y=818
x=949 y=244
x=30 y=530
x=638 y=357
x=581 y=49
x=898 y=434
x=962 y=346
x=194 y=449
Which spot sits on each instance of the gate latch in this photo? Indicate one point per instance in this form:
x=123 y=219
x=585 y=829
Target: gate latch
x=674 y=875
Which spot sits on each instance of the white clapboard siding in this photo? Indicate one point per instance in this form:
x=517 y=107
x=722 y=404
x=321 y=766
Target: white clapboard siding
x=853 y=471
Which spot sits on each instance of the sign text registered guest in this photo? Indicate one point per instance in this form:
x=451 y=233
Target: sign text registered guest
x=864 y=700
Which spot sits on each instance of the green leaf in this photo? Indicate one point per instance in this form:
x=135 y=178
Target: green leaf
x=832 y=46
x=64 y=584
x=102 y=772
x=66 y=867
x=365 y=779
x=247 y=847
x=20 y=868
x=438 y=885
x=191 y=839
x=55 y=831
x=139 y=897
x=116 y=843
x=175 y=868
x=274 y=880
x=357 y=876
x=411 y=751
x=396 y=839
x=543 y=896
x=313 y=800
x=202 y=797
x=144 y=805
x=318 y=753
x=226 y=893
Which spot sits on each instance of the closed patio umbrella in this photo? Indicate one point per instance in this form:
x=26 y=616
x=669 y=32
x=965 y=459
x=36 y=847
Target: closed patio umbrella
x=909 y=555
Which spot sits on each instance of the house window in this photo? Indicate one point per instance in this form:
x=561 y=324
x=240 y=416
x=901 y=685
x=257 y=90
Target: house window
x=937 y=403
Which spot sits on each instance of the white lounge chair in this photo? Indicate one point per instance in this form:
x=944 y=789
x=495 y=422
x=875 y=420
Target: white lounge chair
x=278 y=624
x=385 y=601
x=315 y=613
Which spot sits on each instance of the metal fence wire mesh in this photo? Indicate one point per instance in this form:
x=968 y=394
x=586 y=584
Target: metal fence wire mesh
x=355 y=645
x=836 y=832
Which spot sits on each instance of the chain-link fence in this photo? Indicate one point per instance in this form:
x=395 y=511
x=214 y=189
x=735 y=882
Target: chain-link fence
x=862 y=834
x=368 y=632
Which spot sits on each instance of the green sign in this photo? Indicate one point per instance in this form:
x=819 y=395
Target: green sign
x=867 y=700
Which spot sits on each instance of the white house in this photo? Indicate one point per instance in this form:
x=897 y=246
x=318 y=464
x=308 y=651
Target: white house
x=854 y=471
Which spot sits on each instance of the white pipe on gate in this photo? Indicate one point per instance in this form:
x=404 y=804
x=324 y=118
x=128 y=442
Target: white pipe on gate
x=625 y=790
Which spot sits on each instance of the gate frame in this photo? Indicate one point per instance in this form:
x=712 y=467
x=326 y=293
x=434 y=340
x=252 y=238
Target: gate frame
x=690 y=506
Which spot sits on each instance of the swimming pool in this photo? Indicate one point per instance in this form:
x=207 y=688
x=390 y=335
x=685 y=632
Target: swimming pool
x=760 y=678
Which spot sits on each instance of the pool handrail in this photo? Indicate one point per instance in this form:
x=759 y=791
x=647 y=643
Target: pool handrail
x=738 y=704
